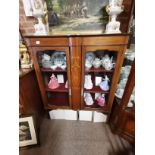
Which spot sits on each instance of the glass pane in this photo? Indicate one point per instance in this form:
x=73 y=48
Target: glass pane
x=53 y=66
x=125 y=71
x=131 y=102
x=98 y=74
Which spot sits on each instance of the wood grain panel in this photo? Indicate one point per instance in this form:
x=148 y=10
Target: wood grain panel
x=38 y=41
x=106 y=40
x=75 y=59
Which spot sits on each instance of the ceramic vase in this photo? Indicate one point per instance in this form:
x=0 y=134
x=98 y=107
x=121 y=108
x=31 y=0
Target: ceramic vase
x=88 y=82
x=53 y=83
x=88 y=99
x=113 y=9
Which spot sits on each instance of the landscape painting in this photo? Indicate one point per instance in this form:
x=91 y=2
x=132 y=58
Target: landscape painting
x=77 y=16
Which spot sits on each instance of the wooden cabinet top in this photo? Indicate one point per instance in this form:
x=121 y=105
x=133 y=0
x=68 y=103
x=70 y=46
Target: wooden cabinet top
x=76 y=40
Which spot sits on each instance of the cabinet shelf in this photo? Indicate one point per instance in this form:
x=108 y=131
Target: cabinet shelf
x=95 y=105
x=51 y=70
x=61 y=88
x=96 y=89
x=98 y=70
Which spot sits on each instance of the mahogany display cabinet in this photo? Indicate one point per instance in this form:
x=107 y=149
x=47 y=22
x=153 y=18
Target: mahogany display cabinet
x=122 y=119
x=75 y=48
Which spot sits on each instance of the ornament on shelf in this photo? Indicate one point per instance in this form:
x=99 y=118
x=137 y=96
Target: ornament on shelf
x=108 y=64
x=53 y=83
x=101 y=100
x=46 y=61
x=88 y=82
x=88 y=64
x=88 y=99
x=39 y=12
x=25 y=60
x=104 y=84
x=114 y=9
x=97 y=63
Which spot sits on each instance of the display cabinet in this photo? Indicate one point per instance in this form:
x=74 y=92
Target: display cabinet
x=58 y=92
x=46 y=52
x=122 y=120
x=107 y=54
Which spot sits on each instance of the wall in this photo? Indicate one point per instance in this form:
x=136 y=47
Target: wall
x=25 y=23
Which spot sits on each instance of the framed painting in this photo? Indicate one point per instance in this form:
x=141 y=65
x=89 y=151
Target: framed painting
x=27 y=131
x=77 y=16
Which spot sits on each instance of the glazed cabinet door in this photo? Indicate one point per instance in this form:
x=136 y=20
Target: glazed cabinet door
x=100 y=72
x=52 y=66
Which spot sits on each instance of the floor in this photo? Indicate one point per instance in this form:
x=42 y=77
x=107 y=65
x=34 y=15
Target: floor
x=62 y=137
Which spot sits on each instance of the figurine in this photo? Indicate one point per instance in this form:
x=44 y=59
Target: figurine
x=104 y=84
x=88 y=82
x=88 y=99
x=101 y=100
x=53 y=83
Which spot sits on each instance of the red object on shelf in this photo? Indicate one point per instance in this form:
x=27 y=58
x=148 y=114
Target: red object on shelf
x=101 y=101
x=53 y=83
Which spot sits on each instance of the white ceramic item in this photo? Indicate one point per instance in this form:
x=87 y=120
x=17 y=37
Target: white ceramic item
x=119 y=93
x=88 y=64
x=53 y=67
x=104 y=84
x=113 y=10
x=97 y=63
x=88 y=99
x=88 y=82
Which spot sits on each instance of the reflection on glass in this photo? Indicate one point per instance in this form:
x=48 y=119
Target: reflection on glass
x=125 y=71
x=131 y=102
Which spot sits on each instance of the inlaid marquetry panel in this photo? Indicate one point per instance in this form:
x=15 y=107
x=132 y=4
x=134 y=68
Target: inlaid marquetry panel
x=75 y=71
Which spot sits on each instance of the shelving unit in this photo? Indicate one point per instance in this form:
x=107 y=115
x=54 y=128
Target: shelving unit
x=98 y=70
x=75 y=47
x=122 y=120
x=51 y=70
x=100 y=52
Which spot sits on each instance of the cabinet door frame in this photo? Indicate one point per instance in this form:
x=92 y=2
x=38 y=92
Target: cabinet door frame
x=34 y=51
x=120 y=49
